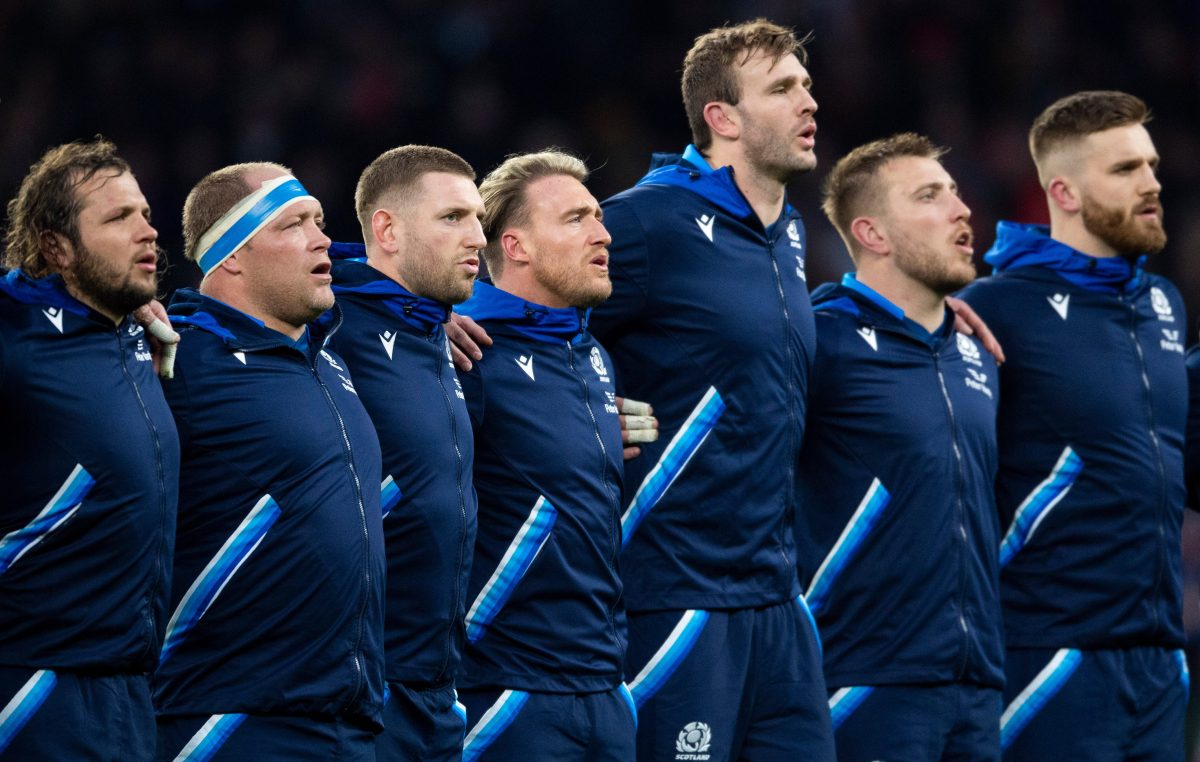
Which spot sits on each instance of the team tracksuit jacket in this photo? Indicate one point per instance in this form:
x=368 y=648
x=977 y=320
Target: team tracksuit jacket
x=89 y=459
x=1091 y=432
x=279 y=569
x=1193 y=428
x=544 y=604
x=896 y=525
x=396 y=346
x=716 y=332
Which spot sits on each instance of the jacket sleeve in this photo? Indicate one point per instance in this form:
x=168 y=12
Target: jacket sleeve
x=628 y=267
x=1192 y=434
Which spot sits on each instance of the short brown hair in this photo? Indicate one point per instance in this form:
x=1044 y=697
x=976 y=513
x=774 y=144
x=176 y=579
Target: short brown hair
x=217 y=193
x=47 y=201
x=396 y=171
x=1077 y=116
x=850 y=186
x=709 y=68
x=503 y=192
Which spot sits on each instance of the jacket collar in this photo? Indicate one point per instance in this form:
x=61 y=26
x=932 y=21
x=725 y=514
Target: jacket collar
x=692 y=171
x=1019 y=245
x=857 y=298
x=548 y=324
x=352 y=275
x=242 y=332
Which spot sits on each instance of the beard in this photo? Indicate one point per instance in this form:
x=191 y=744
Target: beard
x=940 y=274
x=571 y=285
x=1118 y=228
x=773 y=155
x=106 y=286
x=427 y=274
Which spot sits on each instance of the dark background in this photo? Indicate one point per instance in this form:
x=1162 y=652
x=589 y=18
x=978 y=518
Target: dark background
x=186 y=87
x=323 y=87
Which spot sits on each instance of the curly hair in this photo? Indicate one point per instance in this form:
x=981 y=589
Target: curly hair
x=47 y=201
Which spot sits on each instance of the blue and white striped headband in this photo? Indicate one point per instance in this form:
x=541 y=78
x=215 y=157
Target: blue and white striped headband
x=245 y=219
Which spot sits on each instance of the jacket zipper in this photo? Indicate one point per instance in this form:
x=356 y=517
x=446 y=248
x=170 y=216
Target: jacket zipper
x=962 y=529
x=789 y=519
x=462 y=509
x=162 y=496
x=1154 y=440
x=362 y=515
x=613 y=529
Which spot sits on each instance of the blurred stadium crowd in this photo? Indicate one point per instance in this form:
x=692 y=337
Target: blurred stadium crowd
x=188 y=86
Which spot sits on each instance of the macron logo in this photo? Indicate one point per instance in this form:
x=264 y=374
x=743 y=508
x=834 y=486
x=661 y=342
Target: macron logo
x=705 y=221
x=1060 y=302
x=55 y=316
x=868 y=334
x=389 y=341
x=526 y=363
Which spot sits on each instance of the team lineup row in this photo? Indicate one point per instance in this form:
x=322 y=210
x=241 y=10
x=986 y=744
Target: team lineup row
x=379 y=509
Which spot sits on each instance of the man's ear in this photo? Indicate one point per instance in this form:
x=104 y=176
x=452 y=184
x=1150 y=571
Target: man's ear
x=56 y=250
x=870 y=235
x=722 y=119
x=385 y=227
x=512 y=244
x=1064 y=194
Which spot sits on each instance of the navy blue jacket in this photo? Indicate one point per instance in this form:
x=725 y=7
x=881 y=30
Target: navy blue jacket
x=1094 y=401
x=277 y=605
x=710 y=322
x=896 y=523
x=544 y=603
x=1193 y=428
x=396 y=347
x=89 y=460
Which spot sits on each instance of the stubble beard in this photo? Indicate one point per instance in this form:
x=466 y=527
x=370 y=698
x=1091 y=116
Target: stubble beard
x=431 y=277
x=575 y=288
x=772 y=156
x=925 y=265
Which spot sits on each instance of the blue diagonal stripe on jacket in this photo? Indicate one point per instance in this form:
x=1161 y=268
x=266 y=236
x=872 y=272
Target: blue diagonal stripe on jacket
x=61 y=507
x=512 y=567
x=1037 y=506
x=212 y=580
x=674 y=459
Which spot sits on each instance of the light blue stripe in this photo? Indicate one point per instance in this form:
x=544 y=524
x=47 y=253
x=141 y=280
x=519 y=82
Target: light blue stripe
x=460 y=710
x=387 y=693
x=672 y=462
x=845 y=701
x=279 y=197
x=633 y=710
x=1184 y=675
x=1039 y=503
x=208 y=741
x=494 y=722
x=61 y=507
x=25 y=704
x=668 y=657
x=389 y=495
x=803 y=604
x=212 y=580
x=848 y=544
x=512 y=567
x=1037 y=694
